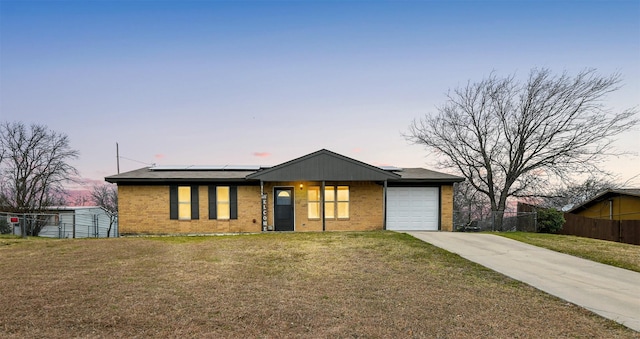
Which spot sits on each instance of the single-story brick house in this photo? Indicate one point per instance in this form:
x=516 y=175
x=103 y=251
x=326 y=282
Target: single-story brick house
x=612 y=204
x=321 y=191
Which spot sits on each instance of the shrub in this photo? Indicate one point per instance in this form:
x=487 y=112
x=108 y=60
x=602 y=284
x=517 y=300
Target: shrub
x=550 y=220
x=5 y=227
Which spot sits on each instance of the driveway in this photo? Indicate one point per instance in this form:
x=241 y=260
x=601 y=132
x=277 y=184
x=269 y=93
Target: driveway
x=609 y=291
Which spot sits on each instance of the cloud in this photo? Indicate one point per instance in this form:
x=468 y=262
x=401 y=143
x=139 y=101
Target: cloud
x=159 y=156
x=261 y=154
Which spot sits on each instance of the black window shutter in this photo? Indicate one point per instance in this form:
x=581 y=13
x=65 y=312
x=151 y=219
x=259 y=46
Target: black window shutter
x=173 y=202
x=233 y=202
x=212 y=203
x=195 y=204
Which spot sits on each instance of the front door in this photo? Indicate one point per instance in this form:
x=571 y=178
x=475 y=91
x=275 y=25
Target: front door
x=283 y=209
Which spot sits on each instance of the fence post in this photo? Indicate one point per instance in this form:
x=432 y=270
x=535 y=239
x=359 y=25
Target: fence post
x=23 y=226
x=620 y=231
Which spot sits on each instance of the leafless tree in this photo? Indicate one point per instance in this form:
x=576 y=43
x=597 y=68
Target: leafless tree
x=106 y=196
x=34 y=168
x=468 y=204
x=575 y=193
x=510 y=138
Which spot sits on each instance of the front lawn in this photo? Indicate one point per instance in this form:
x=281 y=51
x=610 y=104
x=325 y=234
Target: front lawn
x=327 y=285
x=606 y=252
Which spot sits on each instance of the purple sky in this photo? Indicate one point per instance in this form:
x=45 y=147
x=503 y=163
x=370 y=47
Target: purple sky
x=209 y=82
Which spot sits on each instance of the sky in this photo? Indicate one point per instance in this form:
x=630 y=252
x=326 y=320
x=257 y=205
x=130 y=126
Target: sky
x=264 y=82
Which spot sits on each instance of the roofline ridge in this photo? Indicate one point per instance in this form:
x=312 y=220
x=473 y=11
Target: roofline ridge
x=316 y=153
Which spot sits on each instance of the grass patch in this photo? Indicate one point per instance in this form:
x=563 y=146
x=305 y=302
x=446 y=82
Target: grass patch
x=329 y=285
x=10 y=239
x=612 y=253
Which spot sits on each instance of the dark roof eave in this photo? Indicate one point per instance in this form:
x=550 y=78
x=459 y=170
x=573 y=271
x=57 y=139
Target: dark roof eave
x=418 y=181
x=246 y=180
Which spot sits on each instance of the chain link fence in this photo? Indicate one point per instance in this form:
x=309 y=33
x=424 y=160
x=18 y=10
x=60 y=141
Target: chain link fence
x=58 y=225
x=508 y=221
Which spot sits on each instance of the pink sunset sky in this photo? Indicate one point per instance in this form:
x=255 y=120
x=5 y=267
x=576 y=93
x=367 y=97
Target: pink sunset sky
x=261 y=83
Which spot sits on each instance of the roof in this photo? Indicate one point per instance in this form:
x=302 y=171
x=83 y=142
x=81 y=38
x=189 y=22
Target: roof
x=423 y=174
x=206 y=168
x=148 y=174
x=323 y=165
x=72 y=208
x=604 y=195
x=318 y=166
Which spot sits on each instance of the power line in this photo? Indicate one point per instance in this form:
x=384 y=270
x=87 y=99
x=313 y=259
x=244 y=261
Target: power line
x=138 y=161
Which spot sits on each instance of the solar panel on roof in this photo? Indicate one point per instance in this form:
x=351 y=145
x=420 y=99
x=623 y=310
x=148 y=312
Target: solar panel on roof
x=391 y=168
x=205 y=168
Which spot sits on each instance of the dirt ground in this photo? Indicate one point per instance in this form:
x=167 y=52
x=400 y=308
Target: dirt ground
x=314 y=285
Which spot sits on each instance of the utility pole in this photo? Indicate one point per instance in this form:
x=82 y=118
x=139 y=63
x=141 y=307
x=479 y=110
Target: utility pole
x=118 y=158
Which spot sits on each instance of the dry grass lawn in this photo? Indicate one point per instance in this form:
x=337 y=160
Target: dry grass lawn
x=328 y=285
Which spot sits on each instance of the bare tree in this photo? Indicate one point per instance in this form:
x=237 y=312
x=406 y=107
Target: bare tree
x=106 y=196
x=510 y=138
x=34 y=168
x=575 y=193
x=468 y=204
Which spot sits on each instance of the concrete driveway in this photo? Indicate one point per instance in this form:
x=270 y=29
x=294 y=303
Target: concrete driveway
x=609 y=291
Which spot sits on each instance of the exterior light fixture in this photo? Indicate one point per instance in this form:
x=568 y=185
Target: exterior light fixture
x=300 y=186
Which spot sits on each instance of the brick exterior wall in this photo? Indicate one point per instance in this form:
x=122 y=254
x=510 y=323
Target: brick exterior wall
x=365 y=207
x=446 y=208
x=145 y=210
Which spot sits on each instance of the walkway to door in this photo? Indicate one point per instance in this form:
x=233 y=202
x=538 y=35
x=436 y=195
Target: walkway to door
x=611 y=292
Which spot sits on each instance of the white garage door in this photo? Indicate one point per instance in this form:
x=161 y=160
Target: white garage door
x=412 y=208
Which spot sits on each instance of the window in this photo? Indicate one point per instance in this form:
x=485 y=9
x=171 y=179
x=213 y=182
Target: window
x=223 y=202
x=329 y=202
x=336 y=202
x=343 y=202
x=313 y=202
x=283 y=198
x=184 y=203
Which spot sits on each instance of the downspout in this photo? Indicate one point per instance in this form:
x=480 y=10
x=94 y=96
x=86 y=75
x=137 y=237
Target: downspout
x=610 y=209
x=384 y=205
x=324 y=226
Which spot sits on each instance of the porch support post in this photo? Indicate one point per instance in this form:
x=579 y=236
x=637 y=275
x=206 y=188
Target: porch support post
x=322 y=206
x=384 y=205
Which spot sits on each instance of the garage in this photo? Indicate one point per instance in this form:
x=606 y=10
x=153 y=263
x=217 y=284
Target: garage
x=413 y=208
